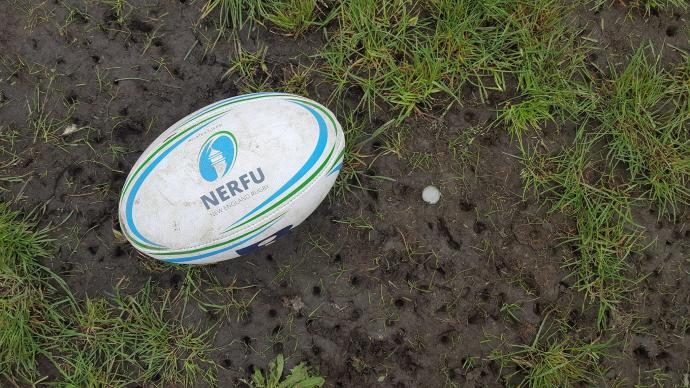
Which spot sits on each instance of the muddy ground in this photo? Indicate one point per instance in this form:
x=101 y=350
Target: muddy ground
x=403 y=303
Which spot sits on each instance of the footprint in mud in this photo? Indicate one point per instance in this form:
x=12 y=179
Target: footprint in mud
x=532 y=234
x=445 y=232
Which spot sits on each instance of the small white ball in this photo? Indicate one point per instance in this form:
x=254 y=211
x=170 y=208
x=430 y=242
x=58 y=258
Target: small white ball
x=431 y=194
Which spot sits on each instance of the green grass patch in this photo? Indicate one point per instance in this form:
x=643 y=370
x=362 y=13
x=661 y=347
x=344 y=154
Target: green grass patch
x=355 y=159
x=128 y=339
x=554 y=359
x=251 y=70
x=133 y=338
x=648 y=6
x=631 y=148
x=408 y=56
x=232 y=14
x=301 y=376
x=293 y=17
x=398 y=58
x=605 y=234
x=644 y=115
x=24 y=294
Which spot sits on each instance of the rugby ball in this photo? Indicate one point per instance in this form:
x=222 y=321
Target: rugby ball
x=231 y=177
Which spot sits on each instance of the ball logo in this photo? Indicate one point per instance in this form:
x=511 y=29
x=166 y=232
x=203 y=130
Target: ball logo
x=217 y=156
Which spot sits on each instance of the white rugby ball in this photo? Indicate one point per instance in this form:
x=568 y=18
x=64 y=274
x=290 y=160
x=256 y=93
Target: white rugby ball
x=231 y=177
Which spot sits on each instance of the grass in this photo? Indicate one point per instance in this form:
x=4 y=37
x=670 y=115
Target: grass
x=553 y=360
x=251 y=69
x=129 y=339
x=226 y=301
x=605 y=234
x=35 y=14
x=356 y=223
x=168 y=352
x=232 y=14
x=24 y=292
x=510 y=311
x=73 y=15
x=460 y=145
x=120 y=9
x=645 y=123
x=291 y=16
x=648 y=6
x=95 y=342
x=631 y=148
x=408 y=57
x=296 y=80
x=11 y=160
x=420 y=160
x=469 y=363
x=301 y=376
x=42 y=119
x=355 y=158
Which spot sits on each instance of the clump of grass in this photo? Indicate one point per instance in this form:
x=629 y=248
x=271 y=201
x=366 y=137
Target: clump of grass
x=605 y=234
x=631 y=146
x=24 y=294
x=296 y=79
x=553 y=361
x=420 y=160
x=119 y=8
x=21 y=242
x=232 y=14
x=74 y=13
x=354 y=158
x=130 y=339
x=133 y=338
x=191 y=285
x=251 y=69
x=97 y=342
x=554 y=86
x=459 y=147
x=291 y=16
x=648 y=6
x=85 y=350
x=228 y=300
x=510 y=311
x=166 y=349
x=644 y=117
x=631 y=142
x=408 y=55
x=302 y=376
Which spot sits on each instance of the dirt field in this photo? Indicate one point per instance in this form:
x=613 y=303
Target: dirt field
x=376 y=288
